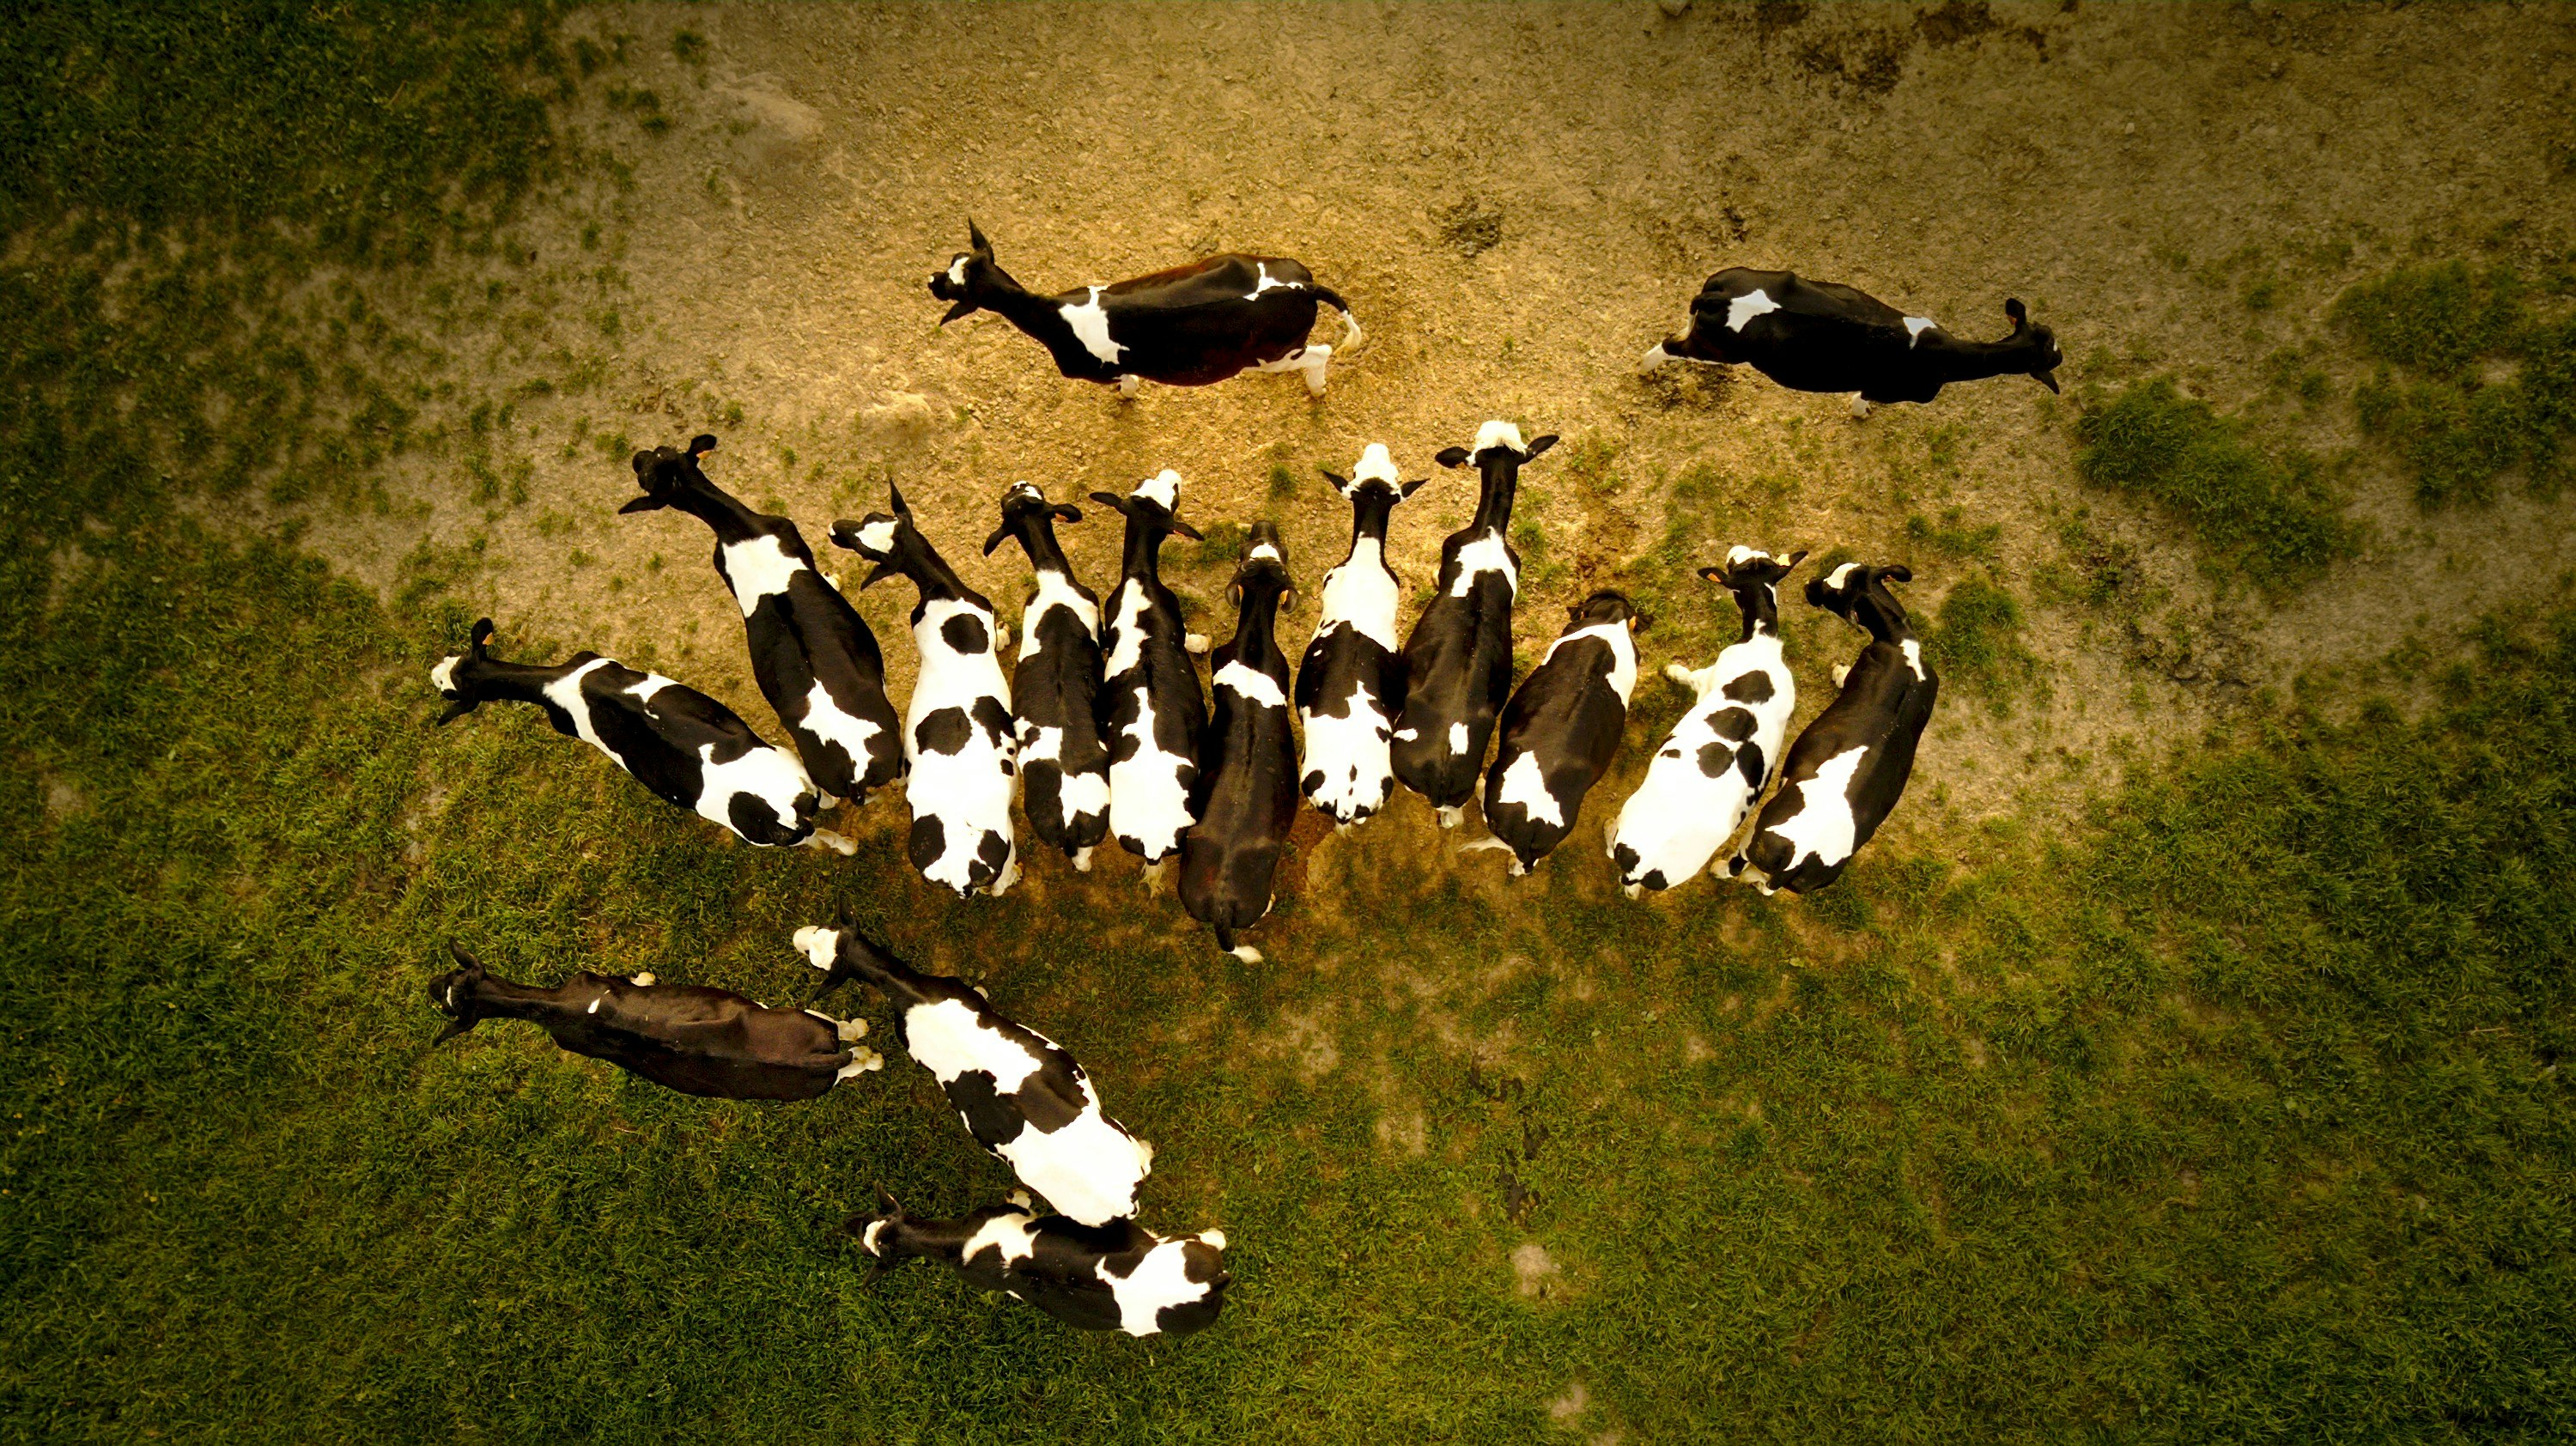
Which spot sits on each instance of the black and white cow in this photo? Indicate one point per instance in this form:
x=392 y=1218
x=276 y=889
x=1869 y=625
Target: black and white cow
x=1458 y=662
x=687 y=1037
x=1247 y=786
x=686 y=747
x=813 y=656
x=1151 y=708
x=1845 y=773
x=1718 y=759
x=957 y=731
x=1562 y=729
x=1055 y=692
x=1821 y=336
x=1351 y=681
x=1114 y=1277
x=1022 y=1098
x=1185 y=327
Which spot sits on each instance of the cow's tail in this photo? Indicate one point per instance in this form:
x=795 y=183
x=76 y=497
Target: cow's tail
x=1351 y=337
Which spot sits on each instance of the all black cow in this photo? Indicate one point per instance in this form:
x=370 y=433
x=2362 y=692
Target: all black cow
x=1114 y=1277
x=957 y=731
x=686 y=747
x=687 y=1037
x=813 y=656
x=1458 y=662
x=1022 y=1098
x=1351 y=681
x=1055 y=691
x=1185 y=327
x=1846 y=772
x=1821 y=336
x=1247 y=786
x=1151 y=709
x=1562 y=729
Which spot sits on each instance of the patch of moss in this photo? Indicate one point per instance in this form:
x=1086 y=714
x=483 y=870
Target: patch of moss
x=2267 y=515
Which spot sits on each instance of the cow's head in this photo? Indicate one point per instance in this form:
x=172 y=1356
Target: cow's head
x=1375 y=473
x=1496 y=441
x=971 y=280
x=2036 y=345
x=1155 y=505
x=884 y=1235
x=454 y=675
x=666 y=472
x=1024 y=510
x=1609 y=605
x=1262 y=566
x=887 y=539
x=1858 y=594
x=458 y=995
x=1747 y=567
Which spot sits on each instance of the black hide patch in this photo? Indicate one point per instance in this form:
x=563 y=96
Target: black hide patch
x=929 y=841
x=755 y=820
x=1626 y=859
x=989 y=1116
x=1714 y=759
x=1751 y=688
x=990 y=855
x=995 y=719
x=1732 y=724
x=1750 y=760
x=965 y=633
x=943 y=732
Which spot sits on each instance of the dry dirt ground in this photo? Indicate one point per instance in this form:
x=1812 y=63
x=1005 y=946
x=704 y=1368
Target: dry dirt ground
x=1517 y=201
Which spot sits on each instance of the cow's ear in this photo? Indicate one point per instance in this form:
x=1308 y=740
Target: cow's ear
x=1896 y=572
x=876 y=574
x=1713 y=574
x=1340 y=482
x=975 y=241
x=1794 y=559
x=962 y=308
x=1066 y=511
x=1110 y=500
x=701 y=444
x=1409 y=488
x=1537 y=446
x=646 y=503
x=995 y=540
x=1234 y=594
x=1185 y=530
x=1451 y=457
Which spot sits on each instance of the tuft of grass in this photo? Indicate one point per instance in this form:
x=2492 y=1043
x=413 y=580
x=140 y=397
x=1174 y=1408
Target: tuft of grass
x=1976 y=642
x=2471 y=384
x=2437 y=320
x=2267 y=516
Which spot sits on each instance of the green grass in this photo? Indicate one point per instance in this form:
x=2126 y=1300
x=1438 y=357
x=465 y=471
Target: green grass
x=2472 y=383
x=1976 y=643
x=2265 y=515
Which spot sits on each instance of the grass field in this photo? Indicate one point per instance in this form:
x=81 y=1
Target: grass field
x=2210 y=1089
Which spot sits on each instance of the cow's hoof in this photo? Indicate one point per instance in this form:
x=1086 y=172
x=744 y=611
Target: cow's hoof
x=1195 y=643
x=1634 y=891
x=1082 y=860
x=1246 y=953
x=1859 y=407
x=645 y=978
x=1453 y=815
x=850 y=1029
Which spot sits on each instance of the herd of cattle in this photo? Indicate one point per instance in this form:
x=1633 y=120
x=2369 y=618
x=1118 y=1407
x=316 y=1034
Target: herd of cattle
x=1102 y=729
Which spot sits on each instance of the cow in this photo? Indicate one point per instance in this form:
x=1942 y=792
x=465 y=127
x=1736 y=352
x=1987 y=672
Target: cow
x=1351 y=681
x=1458 y=660
x=957 y=730
x=1119 y=1276
x=1562 y=729
x=1845 y=773
x=1055 y=691
x=1719 y=758
x=686 y=747
x=1821 y=336
x=1022 y=1098
x=686 y=1037
x=812 y=654
x=1186 y=327
x=1151 y=709
x=1246 y=794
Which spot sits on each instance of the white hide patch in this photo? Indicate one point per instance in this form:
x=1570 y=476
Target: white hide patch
x=825 y=720
x=1914 y=657
x=772 y=775
x=1623 y=653
x=868 y=1237
x=443 y=676
x=878 y=537
x=948 y=1040
x=1251 y=684
x=758 y=569
x=1824 y=827
x=1055 y=590
x=1497 y=434
x=1679 y=817
x=1746 y=307
x=1485 y=554
x=1088 y=1170
x=1147 y=801
x=1915 y=326
x=1009 y=1234
x=1458 y=739
x=1163 y=487
x=968 y=791
x=1091 y=327
x=1739 y=554
x=1841 y=576
x=1078 y=794
x=1267 y=283
x=1362 y=593
x=1375 y=466
x=1263 y=549
x=1352 y=754
x=957 y=271
x=1526 y=787
x=1161 y=1280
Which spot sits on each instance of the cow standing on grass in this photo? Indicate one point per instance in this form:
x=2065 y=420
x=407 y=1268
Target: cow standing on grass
x=1351 y=681
x=1119 y=1276
x=1724 y=751
x=1021 y=1097
x=1246 y=796
x=1820 y=336
x=1846 y=772
x=686 y=747
x=1186 y=327
x=1151 y=708
x=1055 y=692
x=1562 y=729
x=813 y=656
x=957 y=732
x=687 y=1037
x=1458 y=662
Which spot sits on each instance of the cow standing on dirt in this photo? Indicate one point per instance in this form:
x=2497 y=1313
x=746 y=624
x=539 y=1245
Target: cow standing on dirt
x=1351 y=681
x=686 y=747
x=1021 y=1097
x=1458 y=662
x=1562 y=729
x=1846 y=772
x=1186 y=327
x=1119 y=1276
x=957 y=731
x=686 y=1037
x=1820 y=336
x=1724 y=751
x=1246 y=796
x=1055 y=691
x=1151 y=709
x=812 y=654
